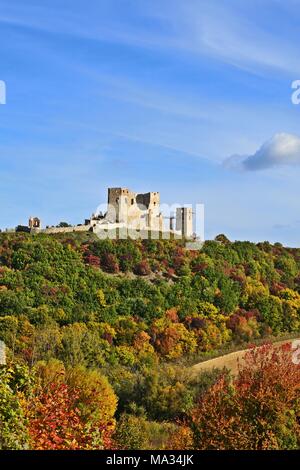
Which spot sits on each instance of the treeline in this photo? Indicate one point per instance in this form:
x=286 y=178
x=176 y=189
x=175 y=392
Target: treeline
x=88 y=320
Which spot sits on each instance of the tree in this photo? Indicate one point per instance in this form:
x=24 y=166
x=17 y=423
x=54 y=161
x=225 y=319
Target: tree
x=221 y=238
x=64 y=225
x=142 y=268
x=71 y=410
x=15 y=383
x=210 y=331
x=96 y=401
x=93 y=260
x=110 y=263
x=55 y=420
x=165 y=393
x=257 y=410
x=172 y=340
x=131 y=433
x=8 y=331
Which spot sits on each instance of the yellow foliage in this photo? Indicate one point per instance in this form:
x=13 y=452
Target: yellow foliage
x=101 y=298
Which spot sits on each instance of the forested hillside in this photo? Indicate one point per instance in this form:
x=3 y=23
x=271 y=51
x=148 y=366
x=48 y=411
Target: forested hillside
x=97 y=332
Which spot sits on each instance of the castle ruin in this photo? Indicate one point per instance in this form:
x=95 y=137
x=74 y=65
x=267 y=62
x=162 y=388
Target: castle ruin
x=129 y=211
x=132 y=210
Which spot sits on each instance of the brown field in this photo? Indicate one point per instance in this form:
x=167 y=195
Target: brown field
x=229 y=361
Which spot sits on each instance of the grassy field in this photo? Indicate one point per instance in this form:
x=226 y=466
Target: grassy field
x=230 y=361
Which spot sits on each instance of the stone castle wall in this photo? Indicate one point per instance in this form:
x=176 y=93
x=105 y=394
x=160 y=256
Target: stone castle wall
x=75 y=228
x=128 y=210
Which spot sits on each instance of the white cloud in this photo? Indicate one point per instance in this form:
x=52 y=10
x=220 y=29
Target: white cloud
x=281 y=149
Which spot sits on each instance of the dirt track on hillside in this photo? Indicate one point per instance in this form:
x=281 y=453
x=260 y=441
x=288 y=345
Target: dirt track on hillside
x=230 y=361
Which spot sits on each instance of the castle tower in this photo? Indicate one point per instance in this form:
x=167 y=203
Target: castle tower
x=135 y=210
x=34 y=223
x=119 y=200
x=184 y=221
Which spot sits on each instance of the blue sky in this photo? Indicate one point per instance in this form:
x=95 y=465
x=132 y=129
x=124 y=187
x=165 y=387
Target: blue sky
x=189 y=98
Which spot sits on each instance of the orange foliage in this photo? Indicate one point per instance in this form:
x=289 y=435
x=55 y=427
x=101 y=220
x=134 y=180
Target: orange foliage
x=56 y=423
x=258 y=410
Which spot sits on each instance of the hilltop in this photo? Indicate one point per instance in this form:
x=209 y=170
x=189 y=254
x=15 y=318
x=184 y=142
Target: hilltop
x=225 y=292
x=134 y=311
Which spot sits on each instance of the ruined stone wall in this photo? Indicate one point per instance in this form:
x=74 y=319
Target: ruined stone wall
x=76 y=228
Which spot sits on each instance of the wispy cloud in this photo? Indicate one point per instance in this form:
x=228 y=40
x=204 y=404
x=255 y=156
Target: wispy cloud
x=232 y=34
x=225 y=31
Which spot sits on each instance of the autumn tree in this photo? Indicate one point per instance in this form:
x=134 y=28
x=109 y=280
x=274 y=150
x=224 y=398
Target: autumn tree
x=15 y=386
x=70 y=409
x=257 y=410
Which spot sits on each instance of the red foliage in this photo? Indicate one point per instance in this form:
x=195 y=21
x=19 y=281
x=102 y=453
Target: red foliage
x=50 y=291
x=108 y=337
x=55 y=421
x=179 y=261
x=276 y=287
x=234 y=320
x=257 y=410
x=237 y=277
x=199 y=267
x=110 y=263
x=142 y=268
x=170 y=273
x=84 y=248
x=93 y=260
